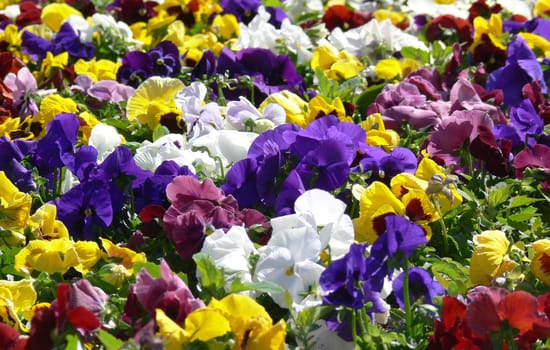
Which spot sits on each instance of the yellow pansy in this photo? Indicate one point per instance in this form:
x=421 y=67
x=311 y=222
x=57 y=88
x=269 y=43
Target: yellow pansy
x=250 y=323
x=194 y=45
x=420 y=209
x=124 y=256
x=54 y=256
x=16 y=299
x=541 y=261
x=490 y=257
x=398 y=19
x=539 y=44
x=154 y=98
x=375 y=203
x=88 y=255
x=43 y=224
x=439 y=182
x=53 y=15
x=141 y=34
x=335 y=64
x=226 y=25
x=102 y=69
x=541 y=8
x=319 y=106
x=294 y=106
x=50 y=62
x=11 y=35
x=8 y=126
x=392 y=68
x=51 y=106
x=445 y=2
x=491 y=28
x=158 y=23
x=377 y=134
x=14 y=205
x=202 y=324
x=176 y=34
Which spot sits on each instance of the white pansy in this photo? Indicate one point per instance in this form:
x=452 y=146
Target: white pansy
x=524 y=8
x=237 y=114
x=231 y=251
x=82 y=27
x=296 y=8
x=200 y=118
x=364 y=40
x=171 y=147
x=329 y=214
x=229 y=145
x=296 y=41
x=290 y=257
x=259 y=33
x=109 y=27
x=433 y=9
x=11 y=11
x=105 y=138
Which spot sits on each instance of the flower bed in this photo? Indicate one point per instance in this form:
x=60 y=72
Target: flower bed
x=270 y=175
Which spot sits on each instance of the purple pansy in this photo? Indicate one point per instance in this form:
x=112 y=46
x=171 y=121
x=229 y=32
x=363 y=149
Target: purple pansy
x=384 y=166
x=11 y=156
x=525 y=124
x=522 y=67
x=421 y=285
x=346 y=281
x=162 y=60
x=269 y=72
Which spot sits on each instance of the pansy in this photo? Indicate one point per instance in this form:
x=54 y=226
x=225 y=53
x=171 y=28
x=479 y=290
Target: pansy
x=231 y=251
x=335 y=64
x=490 y=308
x=168 y=293
x=377 y=134
x=105 y=139
x=154 y=100
x=345 y=281
x=16 y=298
x=53 y=15
x=290 y=257
x=525 y=125
x=490 y=257
x=15 y=206
x=53 y=256
x=522 y=65
x=43 y=223
x=335 y=227
x=239 y=114
x=97 y=69
x=250 y=322
x=199 y=208
x=421 y=285
x=541 y=261
x=150 y=155
x=202 y=325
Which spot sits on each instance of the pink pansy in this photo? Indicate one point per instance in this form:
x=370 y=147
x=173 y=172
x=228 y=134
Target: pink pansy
x=168 y=293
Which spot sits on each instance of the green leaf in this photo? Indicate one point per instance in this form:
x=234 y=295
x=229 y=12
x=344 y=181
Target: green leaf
x=416 y=54
x=109 y=341
x=368 y=96
x=160 y=131
x=522 y=200
x=73 y=343
x=152 y=268
x=211 y=276
x=263 y=287
x=451 y=275
x=499 y=195
x=524 y=214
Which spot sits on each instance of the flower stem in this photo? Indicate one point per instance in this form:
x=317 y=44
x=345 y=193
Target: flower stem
x=407 y=300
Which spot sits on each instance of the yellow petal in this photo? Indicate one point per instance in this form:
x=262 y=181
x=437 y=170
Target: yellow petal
x=53 y=15
x=205 y=323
